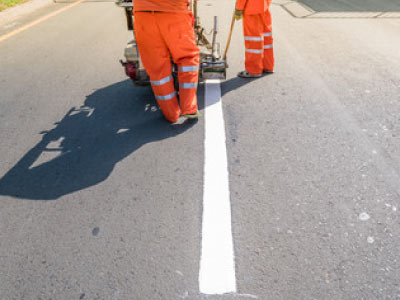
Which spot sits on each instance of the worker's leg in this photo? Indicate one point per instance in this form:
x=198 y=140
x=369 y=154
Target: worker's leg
x=253 y=40
x=157 y=62
x=178 y=33
x=268 y=60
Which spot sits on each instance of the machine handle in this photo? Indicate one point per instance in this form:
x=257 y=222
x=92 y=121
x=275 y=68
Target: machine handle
x=230 y=36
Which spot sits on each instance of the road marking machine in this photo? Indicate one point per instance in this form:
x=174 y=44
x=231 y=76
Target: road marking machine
x=212 y=65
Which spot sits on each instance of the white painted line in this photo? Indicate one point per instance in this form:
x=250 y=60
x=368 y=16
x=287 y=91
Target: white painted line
x=217 y=265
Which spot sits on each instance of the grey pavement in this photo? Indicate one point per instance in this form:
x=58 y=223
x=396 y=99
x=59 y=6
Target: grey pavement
x=100 y=198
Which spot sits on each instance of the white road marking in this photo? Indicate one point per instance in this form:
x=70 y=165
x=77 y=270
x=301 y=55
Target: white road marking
x=217 y=265
x=364 y=216
x=248 y=296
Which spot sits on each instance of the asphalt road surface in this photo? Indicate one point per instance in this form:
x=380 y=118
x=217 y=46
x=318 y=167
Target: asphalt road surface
x=100 y=198
x=353 y=5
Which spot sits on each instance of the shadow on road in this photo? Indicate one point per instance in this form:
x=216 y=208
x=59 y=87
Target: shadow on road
x=236 y=83
x=226 y=87
x=88 y=142
x=353 y=5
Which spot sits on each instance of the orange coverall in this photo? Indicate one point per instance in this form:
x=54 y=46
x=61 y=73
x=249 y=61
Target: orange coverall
x=257 y=28
x=164 y=29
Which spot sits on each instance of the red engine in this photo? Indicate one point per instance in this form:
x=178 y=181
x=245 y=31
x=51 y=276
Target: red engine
x=131 y=70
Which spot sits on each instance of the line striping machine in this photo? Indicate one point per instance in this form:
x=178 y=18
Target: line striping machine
x=212 y=64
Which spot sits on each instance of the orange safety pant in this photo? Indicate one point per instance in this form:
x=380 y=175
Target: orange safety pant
x=160 y=35
x=258 y=42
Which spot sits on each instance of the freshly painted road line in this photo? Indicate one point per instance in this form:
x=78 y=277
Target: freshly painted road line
x=217 y=265
x=38 y=21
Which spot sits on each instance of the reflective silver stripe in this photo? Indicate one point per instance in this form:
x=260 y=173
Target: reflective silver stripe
x=268 y=46
x=161 y=81
x=254 y=51
x=253 y=38
x=267 y=34
x=166 y=97
x=188 y=85
x=188 y=69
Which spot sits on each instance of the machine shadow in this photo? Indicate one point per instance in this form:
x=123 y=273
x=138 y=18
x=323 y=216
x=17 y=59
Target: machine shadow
x=88 y=142
x=352 y=5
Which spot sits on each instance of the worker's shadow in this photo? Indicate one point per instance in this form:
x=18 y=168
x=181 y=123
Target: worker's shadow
x=228 y=86
x=236 y=83
x=83 y=148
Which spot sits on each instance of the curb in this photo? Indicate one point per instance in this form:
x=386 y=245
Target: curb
x=296 y=9
x=13 y=13
x=302 y=11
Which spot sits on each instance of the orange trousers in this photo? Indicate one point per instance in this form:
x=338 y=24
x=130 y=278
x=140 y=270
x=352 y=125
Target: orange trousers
x=258 y=42
x=160 y=36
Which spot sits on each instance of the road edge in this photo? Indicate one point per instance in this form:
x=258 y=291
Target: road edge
x=302 y=11
x=296 y=9
x=13 y=13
